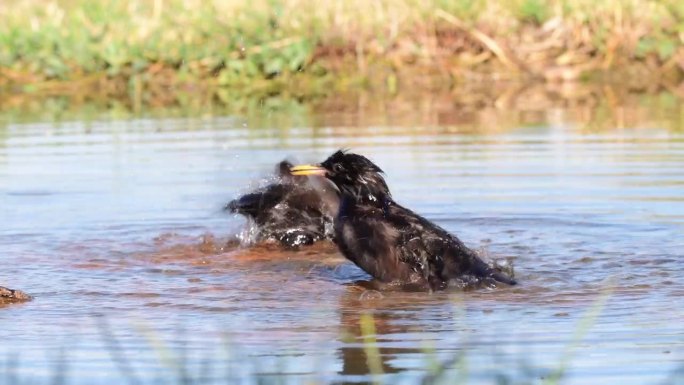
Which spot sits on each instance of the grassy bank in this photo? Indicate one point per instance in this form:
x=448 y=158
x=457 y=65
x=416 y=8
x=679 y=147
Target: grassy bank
x=310 y=45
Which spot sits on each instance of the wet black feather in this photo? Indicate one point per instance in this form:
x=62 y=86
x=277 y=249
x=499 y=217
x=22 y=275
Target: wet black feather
x=292 y=211
x=391 y=242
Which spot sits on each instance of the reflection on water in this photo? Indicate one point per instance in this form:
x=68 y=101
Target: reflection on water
x=115 y=225
x=475 y=107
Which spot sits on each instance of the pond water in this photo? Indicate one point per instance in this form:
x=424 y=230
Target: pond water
x=115 y=225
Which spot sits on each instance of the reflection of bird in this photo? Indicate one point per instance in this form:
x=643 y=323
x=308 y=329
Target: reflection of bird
x=388 y=241
x=387 y=315
x=294 y=211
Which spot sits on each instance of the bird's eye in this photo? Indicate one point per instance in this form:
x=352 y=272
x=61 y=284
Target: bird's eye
x=338 y=167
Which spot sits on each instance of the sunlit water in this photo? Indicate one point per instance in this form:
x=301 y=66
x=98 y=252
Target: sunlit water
x=117 y=230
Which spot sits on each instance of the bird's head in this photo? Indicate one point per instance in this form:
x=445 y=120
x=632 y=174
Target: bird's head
x=353 y=174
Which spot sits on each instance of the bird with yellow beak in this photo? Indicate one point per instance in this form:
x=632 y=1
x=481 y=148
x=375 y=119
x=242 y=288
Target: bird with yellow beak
x=390 y=242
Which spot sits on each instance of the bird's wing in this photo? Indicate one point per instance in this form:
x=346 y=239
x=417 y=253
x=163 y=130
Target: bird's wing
x=421 y=243
x=433 y=252
x=254 y=203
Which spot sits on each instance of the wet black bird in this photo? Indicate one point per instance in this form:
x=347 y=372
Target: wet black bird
x=295 y=210
x=388 y=241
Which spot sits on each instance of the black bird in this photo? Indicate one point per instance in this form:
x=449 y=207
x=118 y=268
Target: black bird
x=388 y=241
x=295 y=210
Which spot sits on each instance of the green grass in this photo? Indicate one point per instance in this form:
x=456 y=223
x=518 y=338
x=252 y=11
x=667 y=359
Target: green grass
x=268 y=43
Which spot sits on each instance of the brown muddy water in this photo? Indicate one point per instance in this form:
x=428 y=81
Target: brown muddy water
x=115 y=226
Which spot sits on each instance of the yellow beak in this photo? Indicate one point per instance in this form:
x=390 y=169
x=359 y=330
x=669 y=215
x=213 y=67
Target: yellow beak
x=306 y=169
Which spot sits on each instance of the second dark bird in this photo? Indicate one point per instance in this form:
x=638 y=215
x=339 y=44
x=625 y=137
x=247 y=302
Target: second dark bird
x=388 y=241
x=294 y=210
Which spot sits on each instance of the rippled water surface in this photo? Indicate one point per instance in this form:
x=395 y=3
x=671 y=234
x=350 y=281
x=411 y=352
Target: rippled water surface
x=115 y=226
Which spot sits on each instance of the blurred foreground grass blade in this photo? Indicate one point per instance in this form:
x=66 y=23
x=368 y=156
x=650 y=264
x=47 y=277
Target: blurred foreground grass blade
x=584 y=325
x=370 y=347
x=116 y=351
x=166 y=355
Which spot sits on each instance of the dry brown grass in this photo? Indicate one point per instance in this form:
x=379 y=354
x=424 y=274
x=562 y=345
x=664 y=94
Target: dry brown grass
x=238 y=43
